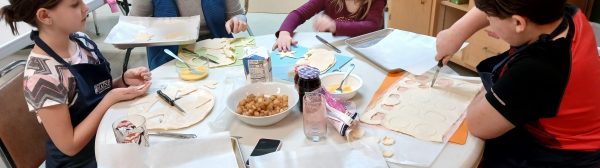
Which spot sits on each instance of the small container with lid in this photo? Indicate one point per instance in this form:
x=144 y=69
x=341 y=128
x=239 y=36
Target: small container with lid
x=308 y=81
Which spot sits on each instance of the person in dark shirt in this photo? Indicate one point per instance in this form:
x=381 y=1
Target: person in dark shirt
x=541 y=103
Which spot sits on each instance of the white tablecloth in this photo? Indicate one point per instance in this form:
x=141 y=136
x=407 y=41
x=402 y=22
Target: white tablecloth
x=289 y=130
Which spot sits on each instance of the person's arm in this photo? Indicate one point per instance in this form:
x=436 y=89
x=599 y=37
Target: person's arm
x=70 y=140
x=143 y=8
x=528 y=90
x=236 y=20
x=449 y=40
x=133 y=77
x=57 y=122
x=234 y=9
x=301 y=15
x=372 y=22
x=484 y=120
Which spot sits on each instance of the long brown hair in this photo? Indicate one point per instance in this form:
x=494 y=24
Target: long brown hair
x=361 y=13
x=24 y=10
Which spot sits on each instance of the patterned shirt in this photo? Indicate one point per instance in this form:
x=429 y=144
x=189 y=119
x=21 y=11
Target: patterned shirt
x=47 y=82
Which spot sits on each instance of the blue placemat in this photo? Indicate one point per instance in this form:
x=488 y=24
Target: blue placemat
x=282 y=66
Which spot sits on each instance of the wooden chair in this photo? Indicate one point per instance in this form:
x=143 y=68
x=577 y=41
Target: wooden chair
x=22 y=138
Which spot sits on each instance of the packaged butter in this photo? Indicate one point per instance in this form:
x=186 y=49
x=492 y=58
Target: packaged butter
x=257 y=65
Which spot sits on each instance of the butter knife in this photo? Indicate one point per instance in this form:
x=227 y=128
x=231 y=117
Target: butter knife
x=437 y=72
x=328 y=44
x=175 y=135
x=166 y=98
x=209 y=59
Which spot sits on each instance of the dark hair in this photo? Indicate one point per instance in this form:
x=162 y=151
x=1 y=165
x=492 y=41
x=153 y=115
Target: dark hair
x=24 y=10
x=538 y=11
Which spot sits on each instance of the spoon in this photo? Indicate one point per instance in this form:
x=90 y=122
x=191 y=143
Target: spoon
x=179 y=59
x=339 y=89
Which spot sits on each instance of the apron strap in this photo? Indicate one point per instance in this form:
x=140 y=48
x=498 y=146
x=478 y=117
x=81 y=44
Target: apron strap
x=564 y=24
x=38 y=41
x=35 y=36
x=95 y=50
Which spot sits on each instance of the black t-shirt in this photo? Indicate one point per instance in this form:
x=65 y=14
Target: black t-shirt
x=550 y=90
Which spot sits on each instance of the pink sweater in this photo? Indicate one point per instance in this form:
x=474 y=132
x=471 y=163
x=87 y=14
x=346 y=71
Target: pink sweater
x=345 y=26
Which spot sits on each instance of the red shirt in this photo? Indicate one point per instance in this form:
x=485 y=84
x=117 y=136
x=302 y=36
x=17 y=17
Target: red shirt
x=552 y=89
x=577 y=124
x=345 y=26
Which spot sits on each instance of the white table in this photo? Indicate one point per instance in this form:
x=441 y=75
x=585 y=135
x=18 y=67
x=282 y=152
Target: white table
x=10 y=43
x=289 y=130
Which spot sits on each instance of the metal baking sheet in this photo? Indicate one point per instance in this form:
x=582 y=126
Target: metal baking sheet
x=133 y=31
x=395 y=50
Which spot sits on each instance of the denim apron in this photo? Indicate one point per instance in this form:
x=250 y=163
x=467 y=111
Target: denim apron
x=93 y=82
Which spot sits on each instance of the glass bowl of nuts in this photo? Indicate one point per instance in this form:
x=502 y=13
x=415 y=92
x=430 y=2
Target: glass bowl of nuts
x=262 y=104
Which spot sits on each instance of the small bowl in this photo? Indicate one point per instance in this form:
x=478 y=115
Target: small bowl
x=269 y=88
x=333 y=80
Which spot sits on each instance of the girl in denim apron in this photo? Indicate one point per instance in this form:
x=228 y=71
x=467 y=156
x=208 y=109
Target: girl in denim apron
x=67 y=81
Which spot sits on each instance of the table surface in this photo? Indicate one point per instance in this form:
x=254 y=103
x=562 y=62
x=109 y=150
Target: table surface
x=10 y=43
x=289 y=130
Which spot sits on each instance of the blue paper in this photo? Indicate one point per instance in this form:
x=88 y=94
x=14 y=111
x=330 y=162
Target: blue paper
x=283 y=66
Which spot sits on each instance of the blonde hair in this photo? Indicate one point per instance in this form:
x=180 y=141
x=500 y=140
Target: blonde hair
x=363 y=8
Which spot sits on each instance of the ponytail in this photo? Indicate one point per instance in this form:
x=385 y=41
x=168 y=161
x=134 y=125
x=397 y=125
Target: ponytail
x=8 y=15
x=24 y=11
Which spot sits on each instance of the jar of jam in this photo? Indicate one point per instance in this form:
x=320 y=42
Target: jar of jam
x=308 y=81
x=296 y=77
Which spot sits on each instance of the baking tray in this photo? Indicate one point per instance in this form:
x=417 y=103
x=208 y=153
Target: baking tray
x=235 y=143
x=396 y=50
x=369 y=39
x=132 y=31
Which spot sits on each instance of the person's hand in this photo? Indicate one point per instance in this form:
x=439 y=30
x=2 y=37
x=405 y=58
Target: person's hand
x=324 y=23
x=121 y=94
x=236 y=25
x=446 y=45
x=137 y=76
x=284 y=42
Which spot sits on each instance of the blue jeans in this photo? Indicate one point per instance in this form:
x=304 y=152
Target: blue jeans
x=156 y=55
x=215 y=18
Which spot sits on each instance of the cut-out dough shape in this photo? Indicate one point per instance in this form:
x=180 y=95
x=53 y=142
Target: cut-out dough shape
x=211 y=84
x=396 y=123
x=321 y=59
x=443 y=83
x=421 y=77
x=388 y=154
x=166 y=117
x=387 y=107
x=426 y=131
x=424 y=112
x=216 y=43
x=357 y=133
x=378 y=117
x=411 y=82
x=392 y=99
x=430 y=115
x=387 y=141
x=401 y=89
x=287 y=54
